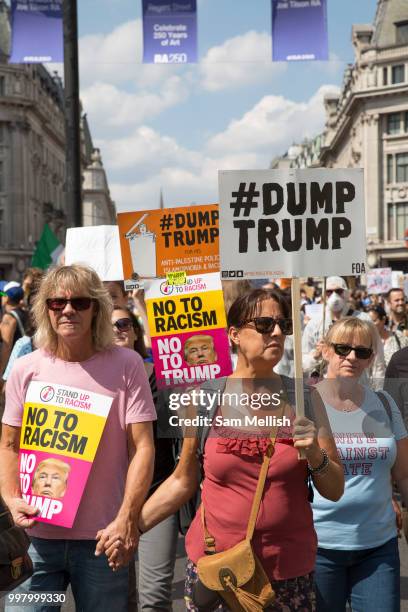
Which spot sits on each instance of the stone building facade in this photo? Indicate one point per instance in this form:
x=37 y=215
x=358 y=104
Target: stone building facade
x=32 y=161
x=367 y=127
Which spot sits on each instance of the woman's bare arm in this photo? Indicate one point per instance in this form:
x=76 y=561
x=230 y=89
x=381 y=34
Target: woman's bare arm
x=178 y=488
x=330 y=483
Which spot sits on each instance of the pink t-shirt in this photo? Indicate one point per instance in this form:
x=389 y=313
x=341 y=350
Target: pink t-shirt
x=284 y=538
x=116 y=372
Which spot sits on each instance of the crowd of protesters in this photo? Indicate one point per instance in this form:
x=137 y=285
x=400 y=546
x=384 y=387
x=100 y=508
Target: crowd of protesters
x=329 y=519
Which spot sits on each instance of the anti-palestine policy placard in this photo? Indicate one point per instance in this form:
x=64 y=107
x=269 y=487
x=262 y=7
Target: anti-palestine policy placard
x=61 y=430
x=155 y=242
x=292 y=223
x=188 y=330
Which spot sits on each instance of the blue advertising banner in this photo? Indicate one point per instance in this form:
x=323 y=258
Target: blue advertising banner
x=299 y=30
x=37 y=31
x=169 y=32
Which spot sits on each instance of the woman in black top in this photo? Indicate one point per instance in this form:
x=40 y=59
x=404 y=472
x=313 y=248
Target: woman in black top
x=157 y=548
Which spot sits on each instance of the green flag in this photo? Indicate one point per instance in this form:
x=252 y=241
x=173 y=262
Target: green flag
x=48 y=249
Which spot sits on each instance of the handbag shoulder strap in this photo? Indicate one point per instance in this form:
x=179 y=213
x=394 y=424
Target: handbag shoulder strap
x=209 y=540
x=261 y=485
x=385 y=403
x=16 y=316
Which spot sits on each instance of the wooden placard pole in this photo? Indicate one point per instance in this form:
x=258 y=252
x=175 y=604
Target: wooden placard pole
x=297 y=352
x=297 y=348
x=324 y=319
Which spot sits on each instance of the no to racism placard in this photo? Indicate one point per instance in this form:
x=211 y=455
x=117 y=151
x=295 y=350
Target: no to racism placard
x=37 y=31
x=60 y=434
x=188 y=330
x=379 y=280
x=291 y=223
x=156 y=242
x=169 y=31
x=299 y=30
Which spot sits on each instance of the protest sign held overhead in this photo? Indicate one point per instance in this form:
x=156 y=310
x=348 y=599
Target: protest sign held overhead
x=299 y=30
x=379 y=280
x=156 y=242
x=187 y=326
x=169 y=32
x=37 y=32
x=96 y=246
x=60 y=434
x=291 y=223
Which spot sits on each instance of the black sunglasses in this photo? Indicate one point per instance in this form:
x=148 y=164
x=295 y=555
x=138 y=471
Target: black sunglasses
x=343 y=350
x=122 y=325
x=77 y=303
x=265 y=325
x=339 y=292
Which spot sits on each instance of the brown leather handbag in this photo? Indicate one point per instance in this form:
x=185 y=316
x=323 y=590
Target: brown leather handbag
x=236 y=574
x=15 y=563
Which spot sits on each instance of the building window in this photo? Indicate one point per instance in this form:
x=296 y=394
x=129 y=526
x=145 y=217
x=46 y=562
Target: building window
x=393 y=123
x=402 y=33
x=2 y=86
x=402 y=219
x=1 y=176
x=402 y=168
x=390 y=169
x=385 y=75
x=390 y=211
x=405 y=122
x=398 y=74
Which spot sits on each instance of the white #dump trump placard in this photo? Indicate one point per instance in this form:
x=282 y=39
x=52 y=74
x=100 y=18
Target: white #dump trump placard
x=291 y=223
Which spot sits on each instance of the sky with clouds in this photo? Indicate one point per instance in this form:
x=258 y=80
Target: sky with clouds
x=173 y=127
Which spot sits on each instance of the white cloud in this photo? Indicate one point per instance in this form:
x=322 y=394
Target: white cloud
x=273 y=123
x=146 y=150
x=191 y=178
x=116 y=58
x=108 y=106
x=238 y=62
x=146 y=161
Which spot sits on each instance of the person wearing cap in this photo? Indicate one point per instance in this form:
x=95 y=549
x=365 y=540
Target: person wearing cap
x=337 y=307
x=13 y=323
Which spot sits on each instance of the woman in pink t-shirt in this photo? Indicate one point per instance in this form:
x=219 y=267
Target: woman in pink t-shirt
x=93 y=445
x=284 y=539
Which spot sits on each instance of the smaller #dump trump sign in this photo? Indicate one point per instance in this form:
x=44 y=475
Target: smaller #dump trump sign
x=291 y=223
x=156 y=242
x=188 y=329
x=60 y=434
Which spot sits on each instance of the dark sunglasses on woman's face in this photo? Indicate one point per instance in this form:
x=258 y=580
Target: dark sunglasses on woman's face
x=361 y=352
x=123 y=325
x=77 y=303
x=265 y=325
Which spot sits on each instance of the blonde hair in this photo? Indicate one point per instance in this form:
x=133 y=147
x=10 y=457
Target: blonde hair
x=345 y=330
x=61 y=465
x=78 y=279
